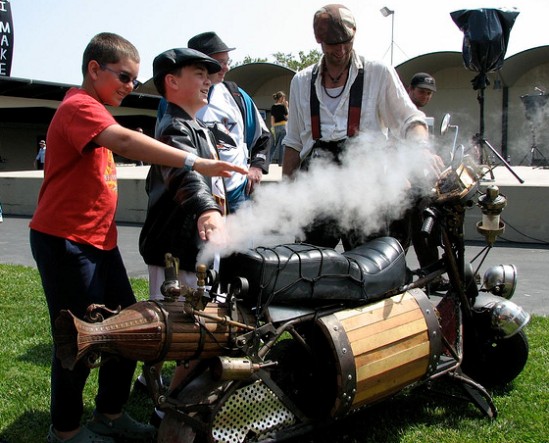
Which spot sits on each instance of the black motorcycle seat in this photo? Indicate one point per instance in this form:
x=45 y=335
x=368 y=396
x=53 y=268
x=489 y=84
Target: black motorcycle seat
x=299 y=273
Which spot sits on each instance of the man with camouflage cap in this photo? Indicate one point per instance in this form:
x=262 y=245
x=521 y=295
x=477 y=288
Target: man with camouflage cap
x=328 y=101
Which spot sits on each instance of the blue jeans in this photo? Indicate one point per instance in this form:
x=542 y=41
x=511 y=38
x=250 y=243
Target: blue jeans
x=277 y=151
x=74 y=276
x=237 y=198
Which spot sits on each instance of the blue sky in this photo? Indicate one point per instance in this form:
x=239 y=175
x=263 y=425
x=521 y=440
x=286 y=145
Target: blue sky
x=50 y=35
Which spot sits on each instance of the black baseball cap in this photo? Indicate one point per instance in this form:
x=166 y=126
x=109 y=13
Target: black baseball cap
x=424 y=80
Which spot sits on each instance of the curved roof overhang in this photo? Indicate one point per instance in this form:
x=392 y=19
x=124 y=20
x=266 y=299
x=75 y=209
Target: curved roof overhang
x=518 y=64
x=431 y=63
x=252 y=76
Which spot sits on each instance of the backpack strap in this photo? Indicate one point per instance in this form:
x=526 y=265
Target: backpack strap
x=355 y=104
x=239 y=99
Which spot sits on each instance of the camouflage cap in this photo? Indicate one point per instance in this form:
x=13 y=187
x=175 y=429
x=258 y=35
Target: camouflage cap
x=334 y=24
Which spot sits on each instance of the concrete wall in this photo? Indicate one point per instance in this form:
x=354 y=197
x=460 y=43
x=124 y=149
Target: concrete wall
x=527 y=212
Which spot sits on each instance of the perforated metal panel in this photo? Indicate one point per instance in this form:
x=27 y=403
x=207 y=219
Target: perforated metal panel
x=252 y=411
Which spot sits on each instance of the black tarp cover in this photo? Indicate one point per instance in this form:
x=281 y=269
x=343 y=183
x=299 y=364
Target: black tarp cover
x=485 y=37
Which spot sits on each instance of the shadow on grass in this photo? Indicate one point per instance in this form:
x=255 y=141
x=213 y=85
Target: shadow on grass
x=26 y=427
x=388 y=420
x=39 y=354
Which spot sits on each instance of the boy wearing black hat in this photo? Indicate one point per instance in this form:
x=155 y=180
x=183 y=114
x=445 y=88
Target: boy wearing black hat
x=184 y=207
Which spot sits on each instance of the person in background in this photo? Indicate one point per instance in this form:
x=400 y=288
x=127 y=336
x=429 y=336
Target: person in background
x=279 y=117
x=421 y=90
x=73 y=233
x=321 y=98
x=242 y=135
x=40 y=159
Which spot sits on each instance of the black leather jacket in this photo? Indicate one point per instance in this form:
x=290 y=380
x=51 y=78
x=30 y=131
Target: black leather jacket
x=177 y=197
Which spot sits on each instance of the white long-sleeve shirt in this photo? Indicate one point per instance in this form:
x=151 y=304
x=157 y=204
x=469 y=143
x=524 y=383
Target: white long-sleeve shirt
x=385 y=106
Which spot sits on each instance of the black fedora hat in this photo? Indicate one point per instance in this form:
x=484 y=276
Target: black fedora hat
x=209 y=43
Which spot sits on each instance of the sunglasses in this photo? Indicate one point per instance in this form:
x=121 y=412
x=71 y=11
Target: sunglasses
x=122 y=76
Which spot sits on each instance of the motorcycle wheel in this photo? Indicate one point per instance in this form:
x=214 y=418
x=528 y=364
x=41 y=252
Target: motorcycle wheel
x=495 y=362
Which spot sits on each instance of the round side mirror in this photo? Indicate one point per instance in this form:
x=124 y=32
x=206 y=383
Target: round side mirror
x=445 y=124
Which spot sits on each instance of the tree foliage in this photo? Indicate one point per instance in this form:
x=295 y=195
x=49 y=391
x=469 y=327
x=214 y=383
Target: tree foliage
x=296 y=63
x=302 y=61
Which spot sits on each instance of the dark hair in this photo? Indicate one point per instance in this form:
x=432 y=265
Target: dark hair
x=159 y=81
x=278 y=95
x=107 y=47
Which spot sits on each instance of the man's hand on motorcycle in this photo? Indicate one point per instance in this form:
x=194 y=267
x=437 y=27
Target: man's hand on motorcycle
x=435 y=163
x=255 y=175
x=211 y=227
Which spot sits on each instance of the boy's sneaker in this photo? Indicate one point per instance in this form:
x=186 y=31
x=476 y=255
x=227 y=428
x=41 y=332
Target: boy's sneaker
x=84 y=436
x=124 y=427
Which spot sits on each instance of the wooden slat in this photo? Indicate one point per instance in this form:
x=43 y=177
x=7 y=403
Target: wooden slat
x=391 y=322
x=373 y=389
x=385 y=365
x=387 y=337
x=392 y=349
x=381 y=308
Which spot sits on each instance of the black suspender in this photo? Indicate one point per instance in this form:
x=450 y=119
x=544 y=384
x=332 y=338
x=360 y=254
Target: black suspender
x=315 y=106
x=355 y=104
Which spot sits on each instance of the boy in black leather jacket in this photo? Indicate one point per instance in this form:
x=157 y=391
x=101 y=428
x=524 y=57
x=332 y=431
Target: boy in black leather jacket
x=185 y=208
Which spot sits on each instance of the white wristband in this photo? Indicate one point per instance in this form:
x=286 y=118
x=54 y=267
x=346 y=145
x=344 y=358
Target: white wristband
x=189 y=162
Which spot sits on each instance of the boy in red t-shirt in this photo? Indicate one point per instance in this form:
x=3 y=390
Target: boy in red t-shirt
x=73 y=233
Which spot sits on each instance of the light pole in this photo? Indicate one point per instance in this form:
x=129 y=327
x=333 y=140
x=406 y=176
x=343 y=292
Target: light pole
x=386 y=12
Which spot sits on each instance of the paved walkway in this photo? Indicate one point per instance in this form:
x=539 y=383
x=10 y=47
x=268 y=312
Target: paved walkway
x=532 y=260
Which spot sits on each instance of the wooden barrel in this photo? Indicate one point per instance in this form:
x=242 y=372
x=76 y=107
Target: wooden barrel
x=382 y=347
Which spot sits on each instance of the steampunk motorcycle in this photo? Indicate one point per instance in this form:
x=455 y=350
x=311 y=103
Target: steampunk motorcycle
x=284 y=338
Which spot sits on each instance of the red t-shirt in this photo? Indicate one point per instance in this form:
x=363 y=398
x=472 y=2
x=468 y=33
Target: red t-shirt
x=78 y=197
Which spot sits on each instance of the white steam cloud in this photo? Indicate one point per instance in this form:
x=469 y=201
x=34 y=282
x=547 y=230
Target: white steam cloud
x=370 y=188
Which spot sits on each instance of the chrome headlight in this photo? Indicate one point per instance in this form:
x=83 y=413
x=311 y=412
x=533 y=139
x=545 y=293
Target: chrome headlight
x=501 y=280
x=508 y=318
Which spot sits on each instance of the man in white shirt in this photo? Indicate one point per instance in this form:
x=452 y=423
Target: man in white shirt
x=242 y=135
x=337 y=98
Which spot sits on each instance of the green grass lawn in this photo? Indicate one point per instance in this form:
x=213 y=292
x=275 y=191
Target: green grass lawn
x=417 y=416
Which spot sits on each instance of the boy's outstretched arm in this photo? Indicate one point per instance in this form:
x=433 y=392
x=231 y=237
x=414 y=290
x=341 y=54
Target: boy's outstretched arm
x=136 y=146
